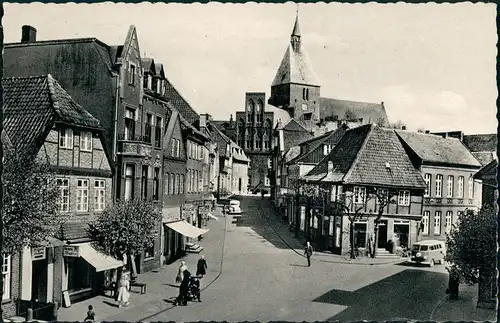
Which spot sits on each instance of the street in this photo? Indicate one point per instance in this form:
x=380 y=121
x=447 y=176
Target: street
x=262 y=279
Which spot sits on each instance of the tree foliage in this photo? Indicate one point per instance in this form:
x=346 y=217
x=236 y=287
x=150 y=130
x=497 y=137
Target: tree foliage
x=125 y=228
x=472 y=246
x=30 y=195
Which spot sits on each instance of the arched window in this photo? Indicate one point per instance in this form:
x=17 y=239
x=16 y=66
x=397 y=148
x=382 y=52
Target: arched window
x=267 y=124
x=251 y=106
x=258 y=111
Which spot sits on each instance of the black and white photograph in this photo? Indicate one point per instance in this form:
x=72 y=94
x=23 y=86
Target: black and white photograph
x=249 y=162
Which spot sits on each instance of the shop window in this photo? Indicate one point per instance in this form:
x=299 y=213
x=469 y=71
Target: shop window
x=82 y=195
x=100 y=195
x=86 y=141
x=79 y=274
x=66 y=138
x=63 y=200
x=6 y=272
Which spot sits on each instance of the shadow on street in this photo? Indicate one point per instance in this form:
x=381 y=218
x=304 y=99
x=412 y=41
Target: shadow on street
x=410 y=294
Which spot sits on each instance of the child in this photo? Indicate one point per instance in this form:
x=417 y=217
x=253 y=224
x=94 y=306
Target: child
x=90 y=314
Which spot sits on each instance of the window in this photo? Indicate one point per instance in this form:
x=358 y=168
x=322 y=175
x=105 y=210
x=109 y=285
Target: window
x=86 y=141
x=172 y=147
x=359 y=194
x=460 y=193
x=192 y=180
x=66 y=138
x=150 y=82
x=158 y=86
x=382 y=195
x=178 y=186
x=404 y=198
x=249 y=143
x=439 y=185
x=129 y=124
x=196 y=183
x=159 y=124
x=171 y=184
x=63 y=201
x=183 y=183
x=178 y=148
x=156 y=183
x=425 y=222
x=428 y=179
x=450 y=183
x=99 y=195
x=129 y=181
x=149 y=252
x=175 y=190
x=147 y=128
x=144 y=182
x=448 y=220
x=257 y=143
x=437 y=223
x=6 y=270
x=269 y=164
x=167 y=184
x=471 y=187
x=82 y=195
x=267 y=182
x=325 y=150
x=131 y=75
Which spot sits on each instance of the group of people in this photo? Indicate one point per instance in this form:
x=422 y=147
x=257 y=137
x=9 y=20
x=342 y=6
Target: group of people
x=187 y=282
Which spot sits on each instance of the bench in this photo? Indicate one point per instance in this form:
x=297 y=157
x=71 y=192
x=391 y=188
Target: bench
x=141 y=285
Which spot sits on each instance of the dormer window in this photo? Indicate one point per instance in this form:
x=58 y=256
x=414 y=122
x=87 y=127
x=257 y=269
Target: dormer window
x=150 y=82
x=158 y=86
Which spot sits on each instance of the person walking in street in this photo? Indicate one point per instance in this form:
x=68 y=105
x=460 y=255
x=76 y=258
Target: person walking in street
x=183 y=289
x=308 y=253
x=180 y=274
x=201 y=268
x=123 y=292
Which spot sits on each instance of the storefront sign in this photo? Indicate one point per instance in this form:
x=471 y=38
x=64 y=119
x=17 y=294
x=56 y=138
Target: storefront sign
x=71 y=251
x=38 y=253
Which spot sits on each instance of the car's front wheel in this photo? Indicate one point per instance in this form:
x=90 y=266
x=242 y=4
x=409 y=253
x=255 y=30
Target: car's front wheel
x=431 y=264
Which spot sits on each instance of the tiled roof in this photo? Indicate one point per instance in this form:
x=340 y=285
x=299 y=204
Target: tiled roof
x=147 y=63
x=318 y=141
x=488 y=170
x=291 y=153
x=180 y=103
x=477 y=143
x=32 y=104
x=485 y=157
x=185 y=124
x=296 y=67
x=74 y=230
x=293 y=125
x=344 y=109
x=5 y=140
x=240 y=154
x=222 y=141
x=436 y=149
x=370 y=155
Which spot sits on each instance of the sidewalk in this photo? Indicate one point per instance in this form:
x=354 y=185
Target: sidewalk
x=297 y=243
x=462 y=309
x=161 y=283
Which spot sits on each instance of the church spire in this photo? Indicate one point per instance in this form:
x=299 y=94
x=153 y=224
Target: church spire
x=296 y=29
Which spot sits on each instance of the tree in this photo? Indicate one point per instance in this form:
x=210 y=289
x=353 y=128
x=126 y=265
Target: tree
x=30 y=196
x=344 y=207
x=472 y=249
x=125 y=229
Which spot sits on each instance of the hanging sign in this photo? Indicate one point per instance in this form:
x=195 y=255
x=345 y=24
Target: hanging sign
x=71 y=251
x=38 y=253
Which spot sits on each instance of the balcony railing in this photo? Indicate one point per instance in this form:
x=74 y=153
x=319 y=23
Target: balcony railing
x=141 y=139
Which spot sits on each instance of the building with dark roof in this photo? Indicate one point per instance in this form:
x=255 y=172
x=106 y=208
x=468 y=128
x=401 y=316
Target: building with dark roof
x=43 y=121
x=368 y=162
x=448 y=168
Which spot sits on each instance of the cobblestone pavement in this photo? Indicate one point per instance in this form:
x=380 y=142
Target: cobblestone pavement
x=263 y=279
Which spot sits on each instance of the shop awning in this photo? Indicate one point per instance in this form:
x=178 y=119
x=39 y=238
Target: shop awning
x=97 y=259
x=186 y=229
x=210 y=215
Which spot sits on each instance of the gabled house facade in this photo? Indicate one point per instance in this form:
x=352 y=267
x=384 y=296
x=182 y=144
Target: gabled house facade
x=448 y=168
x=367 y=163
x=42 y=118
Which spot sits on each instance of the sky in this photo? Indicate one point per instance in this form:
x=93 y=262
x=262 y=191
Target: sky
x=433 y=65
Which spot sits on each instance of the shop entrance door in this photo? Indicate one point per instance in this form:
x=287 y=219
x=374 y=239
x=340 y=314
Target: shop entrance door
x=382 y=234
x=39 y=281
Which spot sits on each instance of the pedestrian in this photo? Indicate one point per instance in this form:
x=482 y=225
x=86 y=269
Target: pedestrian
x=308 y=253
x=262 y=194
x=201 y=268
x=90 y=315
x=183 y=289
x=123 y=291
x=180 y=274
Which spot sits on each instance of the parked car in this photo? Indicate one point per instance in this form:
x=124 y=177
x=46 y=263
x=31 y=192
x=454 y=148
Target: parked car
x=428 y=252
x=233 y=207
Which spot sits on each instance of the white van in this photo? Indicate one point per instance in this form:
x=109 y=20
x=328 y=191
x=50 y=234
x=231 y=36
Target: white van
x=429 y=252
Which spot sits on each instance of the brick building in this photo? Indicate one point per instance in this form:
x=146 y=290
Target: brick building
x=368 y=160
x=40 y=116
x=109 y=81
x=448 y=168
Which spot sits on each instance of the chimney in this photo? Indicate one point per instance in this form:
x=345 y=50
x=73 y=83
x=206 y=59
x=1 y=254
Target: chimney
x=28 y=34
x=403 y=128
x=427 y=131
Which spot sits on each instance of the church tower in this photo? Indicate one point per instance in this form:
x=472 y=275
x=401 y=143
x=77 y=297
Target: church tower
x=296 y=87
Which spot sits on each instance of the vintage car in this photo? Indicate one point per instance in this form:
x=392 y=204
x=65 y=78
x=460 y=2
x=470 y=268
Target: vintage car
x=233 y=207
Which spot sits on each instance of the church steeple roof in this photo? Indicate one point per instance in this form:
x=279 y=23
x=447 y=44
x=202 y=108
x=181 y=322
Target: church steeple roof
x=296 y=67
